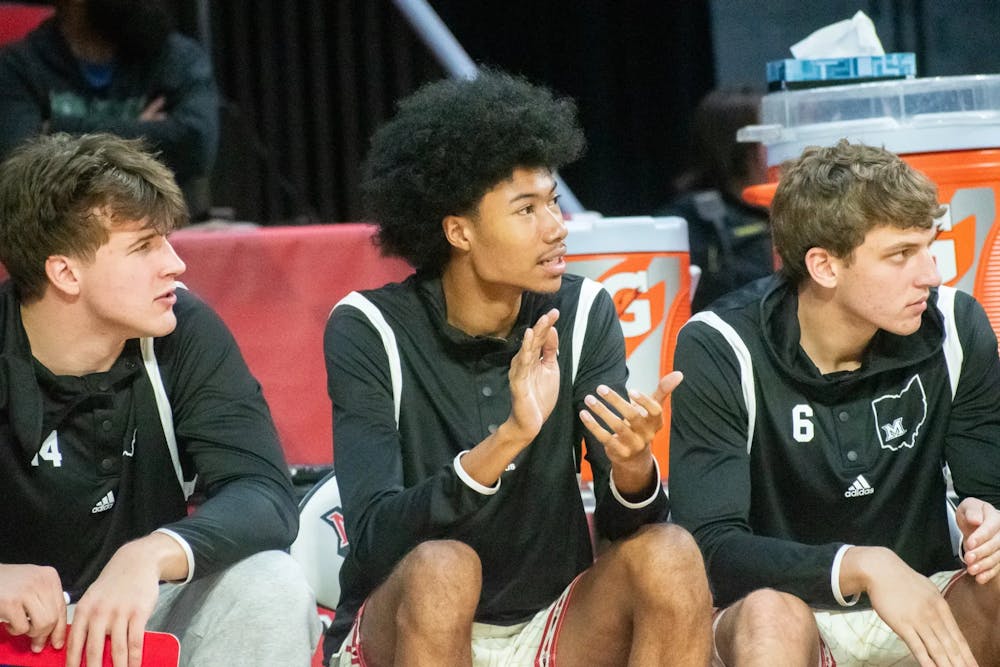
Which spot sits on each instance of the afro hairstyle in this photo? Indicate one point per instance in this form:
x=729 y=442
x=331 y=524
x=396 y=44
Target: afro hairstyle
x=450 y=143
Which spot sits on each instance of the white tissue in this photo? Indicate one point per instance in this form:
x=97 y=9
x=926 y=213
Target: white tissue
x=848 y=38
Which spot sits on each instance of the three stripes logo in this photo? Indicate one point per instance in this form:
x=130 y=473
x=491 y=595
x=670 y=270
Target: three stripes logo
x=105 y=503
x=860 y=487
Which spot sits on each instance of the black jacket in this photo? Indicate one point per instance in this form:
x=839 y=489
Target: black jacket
x=72 y=504
x=773 y=466
x=399 y=485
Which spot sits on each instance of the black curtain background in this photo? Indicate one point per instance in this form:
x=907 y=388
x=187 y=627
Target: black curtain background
x=306 y=82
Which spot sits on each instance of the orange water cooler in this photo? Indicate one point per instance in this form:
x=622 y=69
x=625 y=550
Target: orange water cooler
x=643 y=263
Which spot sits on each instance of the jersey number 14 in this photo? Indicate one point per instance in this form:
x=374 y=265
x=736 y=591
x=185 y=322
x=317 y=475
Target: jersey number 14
x=49 y=451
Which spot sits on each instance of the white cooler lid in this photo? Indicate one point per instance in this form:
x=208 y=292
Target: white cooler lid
x=590 y=233
x=904 y=116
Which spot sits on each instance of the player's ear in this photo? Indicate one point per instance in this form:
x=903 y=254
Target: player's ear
x=63 y=274
x=458 y=229
x=823 y=266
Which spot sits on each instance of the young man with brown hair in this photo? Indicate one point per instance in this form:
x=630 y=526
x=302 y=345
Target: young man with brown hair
x=808 y=438
x=118 y=387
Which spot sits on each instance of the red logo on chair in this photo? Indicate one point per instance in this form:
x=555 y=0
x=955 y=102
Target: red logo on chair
x=335 y=517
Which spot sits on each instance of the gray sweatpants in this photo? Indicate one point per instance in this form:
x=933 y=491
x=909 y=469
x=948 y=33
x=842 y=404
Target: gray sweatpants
x=259 y=611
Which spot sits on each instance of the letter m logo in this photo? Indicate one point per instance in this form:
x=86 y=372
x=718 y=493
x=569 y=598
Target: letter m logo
x=894 y=430
x=895 y=412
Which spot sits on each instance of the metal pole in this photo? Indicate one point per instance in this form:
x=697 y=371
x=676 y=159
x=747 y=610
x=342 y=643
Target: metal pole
x=438 y=38
x=442 y=43
x=204 y=25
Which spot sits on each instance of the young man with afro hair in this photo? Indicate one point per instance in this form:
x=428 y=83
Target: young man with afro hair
x=460 y=403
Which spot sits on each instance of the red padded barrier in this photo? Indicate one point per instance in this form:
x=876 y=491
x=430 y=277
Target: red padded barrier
x=17 y=20
x=274 y=287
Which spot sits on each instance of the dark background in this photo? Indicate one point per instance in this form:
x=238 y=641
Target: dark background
x=305 y=82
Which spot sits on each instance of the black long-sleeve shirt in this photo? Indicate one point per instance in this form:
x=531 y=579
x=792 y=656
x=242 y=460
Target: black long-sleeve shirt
x=774 y=467
x=399 y=484
x=85 y=467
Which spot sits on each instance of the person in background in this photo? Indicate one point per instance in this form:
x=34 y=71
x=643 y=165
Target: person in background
x=115 y=66
x=808 y=438
x=730 y=240
x=461 y=398
x=117 y=388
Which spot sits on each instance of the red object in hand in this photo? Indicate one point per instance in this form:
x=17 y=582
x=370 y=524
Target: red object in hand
x=159 y=649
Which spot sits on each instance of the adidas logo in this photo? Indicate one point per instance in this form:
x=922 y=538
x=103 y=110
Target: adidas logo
x=105 y=503
x=860 y=487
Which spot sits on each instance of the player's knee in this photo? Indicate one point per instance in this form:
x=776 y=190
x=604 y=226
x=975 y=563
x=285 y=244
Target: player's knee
x=269 y=580
x=769 y=613
x=443 y=575
x=664 y=549
x=444 y=559
x=663 y=560
x=992 y=588
x=982 y=599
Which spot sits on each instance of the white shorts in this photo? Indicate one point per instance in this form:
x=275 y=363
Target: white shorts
x=860 y=638
x=825 y=657
x=529 y=644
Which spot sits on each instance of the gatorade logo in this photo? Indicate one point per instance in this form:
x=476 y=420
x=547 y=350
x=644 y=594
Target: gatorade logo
x=635 y=313
x=969 y=215
x=639 y=300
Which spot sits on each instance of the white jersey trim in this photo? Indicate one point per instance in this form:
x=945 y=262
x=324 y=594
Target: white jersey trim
x=165 y=412
x=838 y=595
x=642 y=503
x=952 y=346
x=589 y=290
x=954 y=357
x=377 y=320
x=742 y=358
x=469 y=480
x=187 y=552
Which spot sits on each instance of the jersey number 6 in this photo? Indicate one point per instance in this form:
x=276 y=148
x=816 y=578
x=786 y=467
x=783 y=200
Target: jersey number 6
x=802 y=426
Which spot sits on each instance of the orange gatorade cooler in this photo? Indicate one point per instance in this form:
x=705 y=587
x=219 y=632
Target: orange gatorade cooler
x=643 y=263
x=947 y=127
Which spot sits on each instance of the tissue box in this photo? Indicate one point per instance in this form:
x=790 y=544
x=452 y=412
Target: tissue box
x=791 y=74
